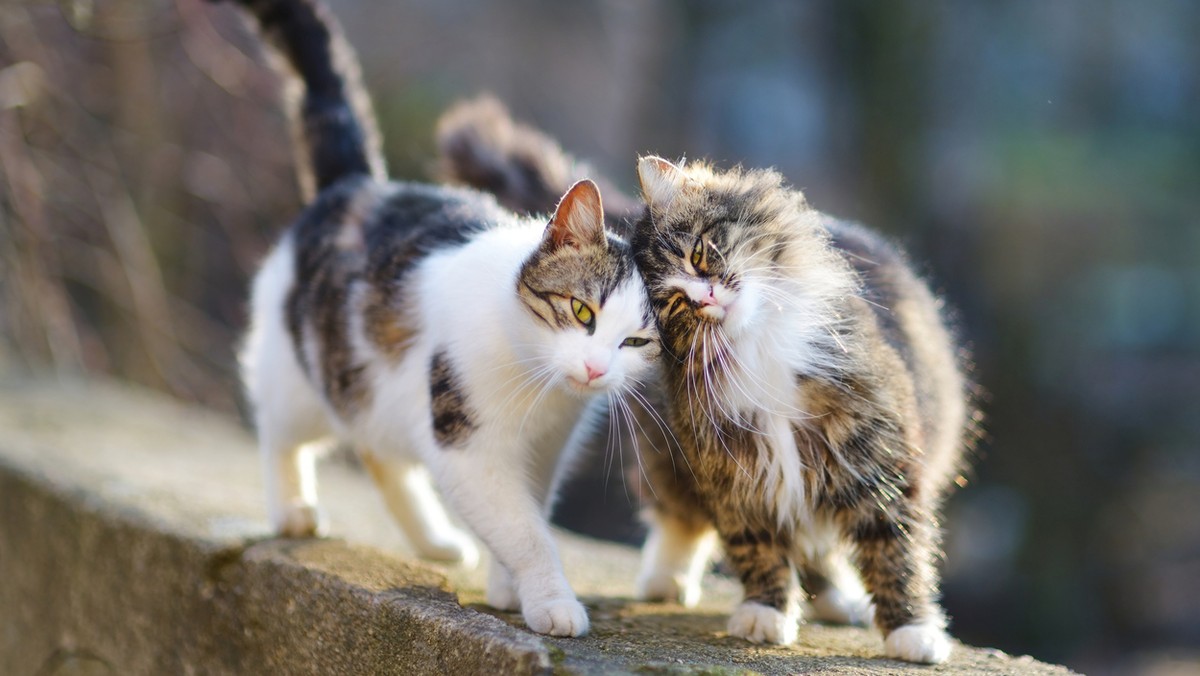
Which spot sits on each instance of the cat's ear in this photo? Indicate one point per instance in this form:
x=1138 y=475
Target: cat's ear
x=661 y=181
x=579 y=218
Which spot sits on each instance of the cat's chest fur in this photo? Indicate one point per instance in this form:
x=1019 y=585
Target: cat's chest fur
x=752 y=427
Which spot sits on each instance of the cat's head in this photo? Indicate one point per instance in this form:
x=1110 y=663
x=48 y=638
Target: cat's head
x=591 y=328
x=721 y=251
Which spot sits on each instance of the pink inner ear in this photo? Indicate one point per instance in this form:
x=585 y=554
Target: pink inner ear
x=579 y=217
x=664 y=166
x=660 y=180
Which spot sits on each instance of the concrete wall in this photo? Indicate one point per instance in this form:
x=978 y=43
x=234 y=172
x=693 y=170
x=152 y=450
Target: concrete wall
x=132 y=542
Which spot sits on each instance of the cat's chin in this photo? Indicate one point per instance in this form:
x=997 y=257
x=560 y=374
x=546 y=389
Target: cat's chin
x=732 y=318
x=714 y=314
x=581 y=389
x=738 y=319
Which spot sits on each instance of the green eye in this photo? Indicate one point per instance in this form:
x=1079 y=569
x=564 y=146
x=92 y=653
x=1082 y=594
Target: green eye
x=634 y=341
x=583 y=313
x=698 y=253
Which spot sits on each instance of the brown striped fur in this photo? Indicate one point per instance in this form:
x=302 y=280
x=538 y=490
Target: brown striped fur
x=883 y=415
x=481 y=146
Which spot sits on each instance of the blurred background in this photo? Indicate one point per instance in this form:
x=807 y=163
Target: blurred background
x=1040 y=160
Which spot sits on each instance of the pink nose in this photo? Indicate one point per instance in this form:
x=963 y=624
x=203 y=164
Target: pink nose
x=710 y=299
x=593 y=372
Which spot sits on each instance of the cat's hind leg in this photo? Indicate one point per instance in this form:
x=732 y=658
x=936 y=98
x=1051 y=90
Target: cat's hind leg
x=290 y=426
x=676 y=554
x=290 y=475
x=289 y=420
x=835 y=594
x=681 y=539
x=828 y=576
x=288 y=415
x=412 y=502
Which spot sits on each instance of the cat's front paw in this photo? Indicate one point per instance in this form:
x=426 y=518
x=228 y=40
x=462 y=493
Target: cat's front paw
x=296 y=520
x=924 y=643
x=557 y=617
x=663 y=586
x=837 y=607
x=758 y=623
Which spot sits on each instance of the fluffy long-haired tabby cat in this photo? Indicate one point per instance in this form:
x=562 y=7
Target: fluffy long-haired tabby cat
x=815 y=392
x=435 y=332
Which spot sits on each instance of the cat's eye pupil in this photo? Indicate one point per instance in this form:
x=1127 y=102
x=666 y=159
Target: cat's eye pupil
x=582 y=312
x=697 y=252
x=634 y=341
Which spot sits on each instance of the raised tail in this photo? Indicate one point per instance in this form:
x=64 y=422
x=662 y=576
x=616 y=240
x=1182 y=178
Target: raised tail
x=334 y=116
x=480 y=145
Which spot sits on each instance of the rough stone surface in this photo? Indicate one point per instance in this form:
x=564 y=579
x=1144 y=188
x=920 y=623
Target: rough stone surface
x=133 y=540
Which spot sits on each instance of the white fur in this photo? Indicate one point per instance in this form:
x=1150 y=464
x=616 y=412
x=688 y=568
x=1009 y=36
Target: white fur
x=819 y=543
x=758 y=623
x=674 y=559
x=777 y=325
x=501 y=594
x=661 y=180
x=526 y=386
x=409 y=495
x=289 y=414
x=924 y=643
x=836 y=606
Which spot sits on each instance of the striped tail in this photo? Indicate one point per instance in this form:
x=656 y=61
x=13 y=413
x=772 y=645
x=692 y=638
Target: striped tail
x=335 y=117
x=481 y=146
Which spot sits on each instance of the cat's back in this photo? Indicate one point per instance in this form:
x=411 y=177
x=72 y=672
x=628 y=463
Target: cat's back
x=346 y=282
x=366 y=226
x=902 y=302
x=911 y=319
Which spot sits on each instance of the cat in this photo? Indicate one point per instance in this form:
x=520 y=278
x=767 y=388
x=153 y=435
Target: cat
x=816 y=393
x=482 y=146
x=440 y=335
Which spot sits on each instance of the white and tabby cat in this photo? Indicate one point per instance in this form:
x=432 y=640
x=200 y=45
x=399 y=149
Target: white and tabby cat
x=438 y=334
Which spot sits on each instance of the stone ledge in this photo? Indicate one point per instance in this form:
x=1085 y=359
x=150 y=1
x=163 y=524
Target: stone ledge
x=132 y=541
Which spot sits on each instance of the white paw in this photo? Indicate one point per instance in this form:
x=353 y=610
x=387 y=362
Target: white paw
x=837 y=607
x=452 y=547
x=296 y=520
x=557 y=617
x=500 y=592
x=924 y=643
x=762 y=624
x=662 y=586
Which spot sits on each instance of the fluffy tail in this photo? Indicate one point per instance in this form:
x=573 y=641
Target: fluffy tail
x=480 y=145
x=336 y=122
